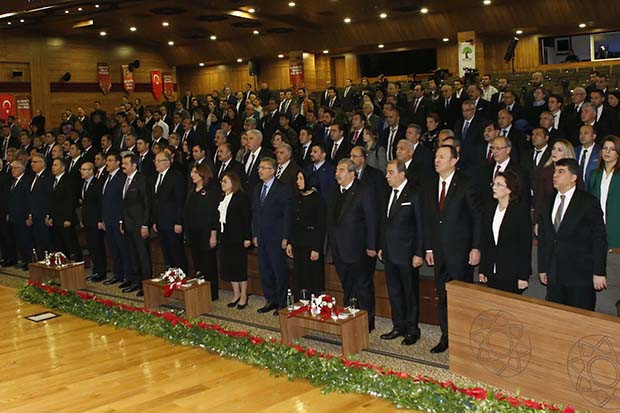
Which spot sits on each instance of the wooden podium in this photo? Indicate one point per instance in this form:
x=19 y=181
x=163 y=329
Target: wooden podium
x=551 y=352
x=196 y=297
x=71 y=275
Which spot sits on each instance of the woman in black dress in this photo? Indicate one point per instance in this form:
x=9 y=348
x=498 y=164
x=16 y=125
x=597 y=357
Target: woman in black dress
x=506 y=237
x=234 y=238
x=201 y=218
x=307 y=237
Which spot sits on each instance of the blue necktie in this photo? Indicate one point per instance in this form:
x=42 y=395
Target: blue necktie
x=263 y=194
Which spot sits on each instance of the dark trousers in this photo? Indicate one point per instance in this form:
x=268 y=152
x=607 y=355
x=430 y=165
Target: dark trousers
x=273 y=271
x=309 y=275
x=23 y=240
x=442 y=276
x=95 y=242
x=140 y=257
x=580 y=296
x=356 y=282
x=205 y=261
x=172 y=247
x=118 y=248
x=65 y=241
x=403 y=284
x=42 y=237
x=7 y=241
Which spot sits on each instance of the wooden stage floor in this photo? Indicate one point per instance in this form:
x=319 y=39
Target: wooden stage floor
x=67 y=364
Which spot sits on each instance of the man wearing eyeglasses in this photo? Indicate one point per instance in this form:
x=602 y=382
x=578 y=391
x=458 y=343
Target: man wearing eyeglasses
x=38 y=204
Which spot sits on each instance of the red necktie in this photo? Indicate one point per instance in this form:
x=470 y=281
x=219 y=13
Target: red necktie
x=356 y=136
x=496 y=172
x=442 y=196
x=489 y=155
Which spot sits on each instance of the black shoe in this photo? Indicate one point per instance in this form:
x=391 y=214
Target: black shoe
x=441 y=347
x=410 y=339
x=132 y=288
x=24 y=267
x=234 y=303
x=8 y=263
x=111 y=281
x=391 y=335
x=267 y=308
x=242 y=306
x=140 y=293
x=17 y=265
x=96 y=278
x=125 y=284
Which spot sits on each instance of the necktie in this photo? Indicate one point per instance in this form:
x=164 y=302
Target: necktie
x=72 y=165
x=34 y=181
x=499 y=97
x=159 y=179
x=557 y=220
x=314 y=168
x=327 y=133
x=582 y=161
x=334 y=150
x=305 y=151
x=219 y=174
x=394 y=198
x=489 y=154
x=504 y=132
x=127 y=183
x=465 y=128
x=279 y=172
x=536 y=153
x=415 y=106
x=355 y=136
x=442 y=196
x=447 y=101
x=84 y=188
x=55 y=183
x=343 y=190
x=106 y=183
x=497 y=170
x=248 y=166
x=14 y=184
x=263 y=194
x=331 y=103
x=391 y=143
x=140 y=162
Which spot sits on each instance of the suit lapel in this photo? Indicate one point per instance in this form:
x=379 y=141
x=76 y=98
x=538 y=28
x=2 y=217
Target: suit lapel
x=451 y=190
x=396 y=204
x=571 y=216
x=348 y=197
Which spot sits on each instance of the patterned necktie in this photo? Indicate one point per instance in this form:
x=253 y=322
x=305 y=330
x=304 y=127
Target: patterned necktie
x=557 y=220
x=263 y=194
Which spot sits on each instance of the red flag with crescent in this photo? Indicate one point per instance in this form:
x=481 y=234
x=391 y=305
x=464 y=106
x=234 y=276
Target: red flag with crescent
x=7 y=105
x=103 y=73
x=128 y=82
x=157 y=84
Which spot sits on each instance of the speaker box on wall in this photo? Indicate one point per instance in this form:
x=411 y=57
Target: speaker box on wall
x=66 y=77
x=253 y=68
x=510 y=51
x=16 y=73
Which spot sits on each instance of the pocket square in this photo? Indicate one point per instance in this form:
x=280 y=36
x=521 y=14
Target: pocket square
x=405 y=203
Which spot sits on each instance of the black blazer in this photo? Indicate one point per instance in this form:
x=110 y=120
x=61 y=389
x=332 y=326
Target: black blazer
x=137 y=204
x=308 y=218
x=323 y=178
x=452 y=233
x=351 y=223
x=486 y=179
x=252 y=178
x=62 y=206
x=342 y=152
x=39 y=196
x=233 y=166
x=271 y=221
x=18 y=199
x=169 y=200
x=146 y=165
x=512 y=255
x=422 y=165
x=91 y=203
x=384 y=136
x=289 y=176
x=448 y=115
x=402 y=236
x=238 y=223
x=112 y=199
x=201 y=214
x=374 y=180
x=578 y=250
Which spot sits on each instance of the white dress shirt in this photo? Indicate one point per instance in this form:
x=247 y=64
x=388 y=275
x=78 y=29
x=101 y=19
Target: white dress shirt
x=568 y=195
x=393 y=199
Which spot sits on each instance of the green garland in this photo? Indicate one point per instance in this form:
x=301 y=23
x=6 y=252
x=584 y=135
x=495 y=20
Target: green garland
x=296 y=362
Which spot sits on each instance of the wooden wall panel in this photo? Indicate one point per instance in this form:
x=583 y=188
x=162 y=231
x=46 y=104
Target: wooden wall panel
x=6 y=69
x=310 y=71
x=527 y=54
x=323 y=71
x=447 y=57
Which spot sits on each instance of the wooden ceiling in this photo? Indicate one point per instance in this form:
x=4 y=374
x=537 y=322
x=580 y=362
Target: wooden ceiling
x=312 y=25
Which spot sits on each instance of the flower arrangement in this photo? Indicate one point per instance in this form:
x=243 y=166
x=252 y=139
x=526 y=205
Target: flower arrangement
x=174 y=278
x=324 y=306
x=55 y=259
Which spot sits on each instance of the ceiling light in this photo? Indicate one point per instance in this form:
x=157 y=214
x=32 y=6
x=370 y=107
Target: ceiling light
x=133 y=29
x=256 y=32
x=251 y=10
x=486 y=2
x=96 y=6
x=66 y=11
x=519 y=32
x=9 y=23
x=280 y=56
x=383 y=15
x=21 y=20
x=80 y=9
x=381 y=46
x=582 y=25
x=325 y=51
x=239 y=60
x=347 y=20
x=423 y=10
x=170 y=43
x=201 y=64
x=291 y=4
x=445 y=39
x=213 y=37
x=103 y=34
x=165 y=24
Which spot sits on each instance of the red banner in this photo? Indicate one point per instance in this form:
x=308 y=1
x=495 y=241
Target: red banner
x=156 y=84
x=24 y=110
x=127 y=76
x=7 y=103
x=103 y=73
x=168 y=83
x=296 y=69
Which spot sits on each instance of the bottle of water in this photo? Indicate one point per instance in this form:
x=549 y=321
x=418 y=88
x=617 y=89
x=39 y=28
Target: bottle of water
x=34 y=255
x=290 y=303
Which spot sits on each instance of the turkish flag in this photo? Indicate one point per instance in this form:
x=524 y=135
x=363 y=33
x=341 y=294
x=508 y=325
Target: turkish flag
x=157 y=84
x=7 y=103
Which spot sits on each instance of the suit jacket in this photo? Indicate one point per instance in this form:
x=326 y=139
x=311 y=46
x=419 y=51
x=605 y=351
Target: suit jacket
x=300 y=159
x=595 y=157
x=289 y=176
x=422 y=165
x=238 y=226
x=112 y=198
x=418 y=115
x=607 y=124
x=91 y=203
x=17 y=206
x=232 y=166
x=351 y=99
x=168 y=200
x=483 y=108
x=39 y=194
x=450 y=114
x=252 y=177
x=343 y=150
x=269 y=124
x=384 y=136
x=520 y=144
x=271 y=220
x=511 y=256
x=402 y=234
x=486 y=179
x=61 y=204
x=360 y=137
x=323 y=178
x=146 y=165
x=13 y=143
x=297 y=122
x=453 y=232
x=533 y=171
x=137 y=204
x=472 y=139
x=352 y=223
x=612 y=207
x=578 y=250
x=374 y=180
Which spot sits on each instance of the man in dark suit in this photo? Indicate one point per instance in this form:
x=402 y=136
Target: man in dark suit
x=356 y=134
x=338 y=147
x=90 y=211
x=18 y=213
x=297 y=119
x=286 y=171
x=322 y=172
x=271 y=215
x=497 y=99
x=61 y=217
x=520 y=145
x=422 y=158
x=561 y=120
x=469 y=130
x=402 y=249
x=607 y=122
x=483 y=107
x=89 y=150
x=588 y=154
x=302 y=152
x=420 y=107
x=146 y=159
x=538 y=156
x=7 y=242
x=502 y=148
x=7 y=141
x=350 y=97
x=226 y=163
x=111 y=212
x=572 y=246
x=270 y=122
x=512 y=104
x=190 y=135
x=73 y=167
x=333 y=101
x=352 y=233
x=448 y=107
x=452 y=213
x=167 y=212
x=38 y=204
x=389 y=137
x=251 y=161
x=135 y=223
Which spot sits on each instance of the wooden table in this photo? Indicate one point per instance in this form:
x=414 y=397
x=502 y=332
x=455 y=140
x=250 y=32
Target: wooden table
x=71 y=275
x=353 y=331
x=196 y=297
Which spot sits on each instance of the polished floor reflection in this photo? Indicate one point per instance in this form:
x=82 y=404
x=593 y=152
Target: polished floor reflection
x=71 y=365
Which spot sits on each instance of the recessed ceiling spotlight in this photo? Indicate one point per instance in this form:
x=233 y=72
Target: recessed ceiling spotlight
x=280 y=56
x=325 y=51
x=582 y=25
x=251 y=10
x=66 y=11
x=423 y=10
x=519 y=32
x=80 y=9
x=239 y=60
x=213 y=37
x=96 y=6
x=133 y=29
x=201 y=64
x=170 y=43
x=347 y=20
x=445 y=39
x=383 y=15
x=9 y=23
x=486 y=2
x=103 y=34
x=381 y=46
x=256 y=32
x=165 y=24
x=21 y=20
x=291 y=4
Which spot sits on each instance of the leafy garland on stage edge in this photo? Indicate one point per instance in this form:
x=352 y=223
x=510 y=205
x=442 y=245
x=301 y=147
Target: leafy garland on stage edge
x=295 y=361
